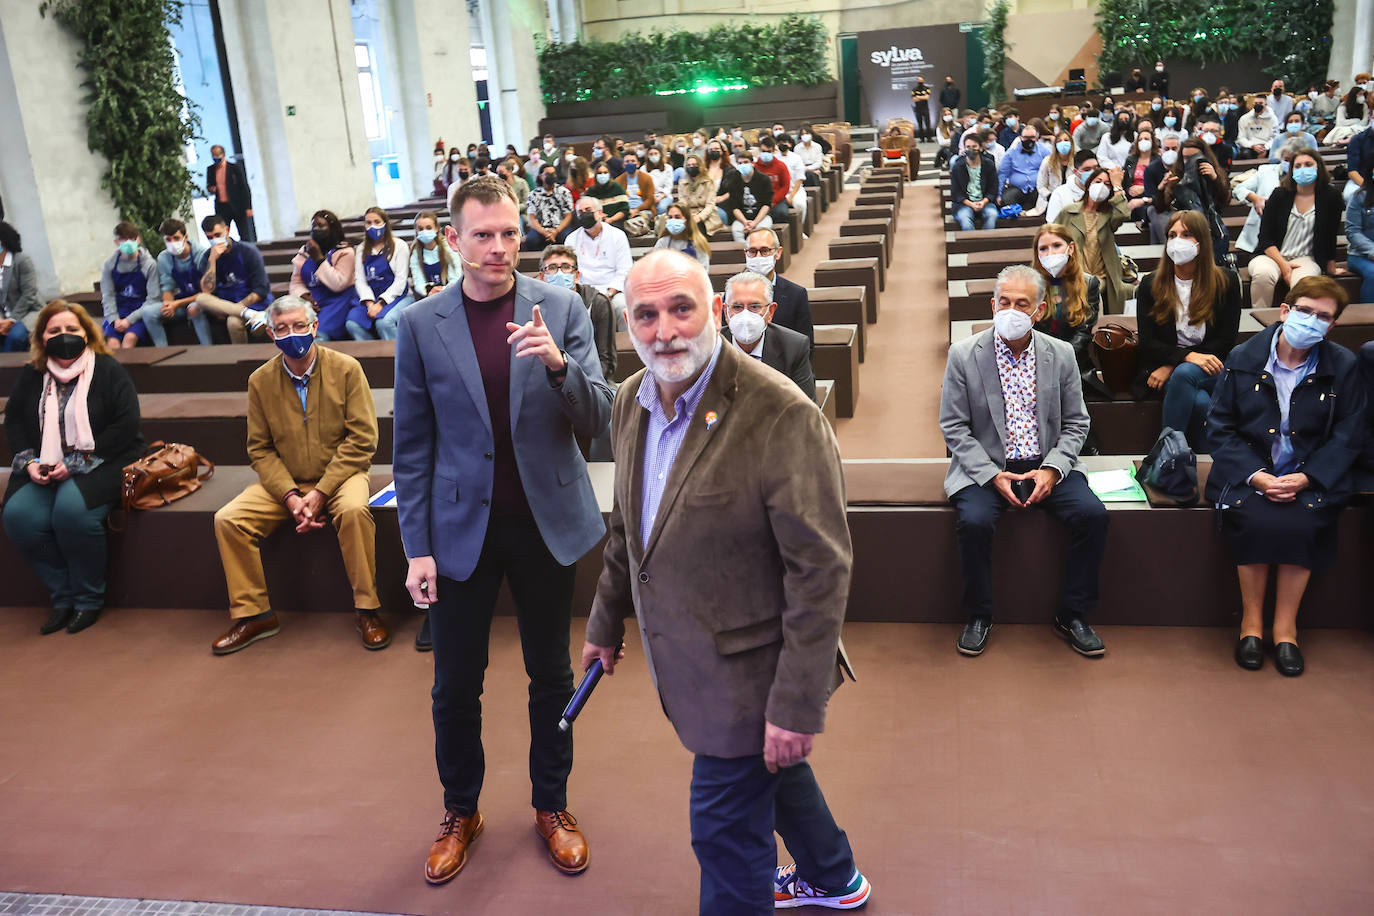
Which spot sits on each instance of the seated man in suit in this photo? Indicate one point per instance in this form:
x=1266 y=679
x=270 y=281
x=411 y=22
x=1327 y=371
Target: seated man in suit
x=312 y=432
x=1013 y=416
x=749 y=310
x=761 y=255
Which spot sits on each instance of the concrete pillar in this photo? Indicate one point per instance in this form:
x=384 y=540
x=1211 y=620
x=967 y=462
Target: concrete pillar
x=49 y=180
x=299 y=108
x=438 y=96
x=1352 y=41
x=1362 y=58
x=516 y=100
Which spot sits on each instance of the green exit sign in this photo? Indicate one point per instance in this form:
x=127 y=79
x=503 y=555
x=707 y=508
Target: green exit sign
x=290 y=111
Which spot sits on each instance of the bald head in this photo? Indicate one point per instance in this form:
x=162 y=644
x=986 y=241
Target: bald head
x=663 y=269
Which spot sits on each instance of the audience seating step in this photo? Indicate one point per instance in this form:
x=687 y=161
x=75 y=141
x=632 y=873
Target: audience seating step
x=852 y=272
x=862 y=246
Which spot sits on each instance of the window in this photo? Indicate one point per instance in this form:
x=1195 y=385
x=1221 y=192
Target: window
x=478 y=56
x=373 y=122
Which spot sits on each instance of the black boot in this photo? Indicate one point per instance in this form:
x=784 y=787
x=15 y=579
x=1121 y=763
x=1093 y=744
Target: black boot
x=423 y=642
x=57 y=619
x=82 y=619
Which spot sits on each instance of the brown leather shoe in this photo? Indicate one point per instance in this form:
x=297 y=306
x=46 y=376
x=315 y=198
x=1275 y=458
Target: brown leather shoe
x=449 y=853
x=373 y=632
x=244 y=633
x=567 y=846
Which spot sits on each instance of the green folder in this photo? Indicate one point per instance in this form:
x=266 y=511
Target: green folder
x=1116 y=486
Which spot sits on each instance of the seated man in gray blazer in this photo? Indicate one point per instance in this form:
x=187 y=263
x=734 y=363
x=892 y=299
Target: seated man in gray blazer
x=1012 y=414
x=749 y=312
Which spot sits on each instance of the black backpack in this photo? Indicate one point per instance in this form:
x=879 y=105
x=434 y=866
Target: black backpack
x=1171 y=468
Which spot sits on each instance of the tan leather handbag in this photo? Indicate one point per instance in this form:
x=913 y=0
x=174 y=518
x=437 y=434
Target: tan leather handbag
x=168 y=471
x=1114 y=354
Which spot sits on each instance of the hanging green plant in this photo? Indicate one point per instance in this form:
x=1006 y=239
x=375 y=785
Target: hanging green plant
x=995 y=47
x=135 y=118
x=792 y=51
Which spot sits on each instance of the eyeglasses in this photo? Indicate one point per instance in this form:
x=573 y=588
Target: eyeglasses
x=299 y=327
x=758 y=252
x=1312 y=313
x=560 y=268
x=758 y=308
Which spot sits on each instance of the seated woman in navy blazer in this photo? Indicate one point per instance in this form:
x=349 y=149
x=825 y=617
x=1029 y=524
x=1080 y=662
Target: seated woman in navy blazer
x=1187 y=312
x=1286 y=424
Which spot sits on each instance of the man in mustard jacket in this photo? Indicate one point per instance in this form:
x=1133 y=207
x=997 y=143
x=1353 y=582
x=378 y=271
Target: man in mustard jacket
x=312 y=432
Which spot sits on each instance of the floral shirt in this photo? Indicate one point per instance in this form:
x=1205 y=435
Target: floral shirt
x=1017 y=377
x=548 y=209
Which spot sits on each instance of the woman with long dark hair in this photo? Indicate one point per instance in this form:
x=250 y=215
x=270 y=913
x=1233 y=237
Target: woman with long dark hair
x=1298 y=229
x=381 y=279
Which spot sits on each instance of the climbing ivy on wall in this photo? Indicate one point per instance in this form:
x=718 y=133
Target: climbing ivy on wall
x=794 y=50
x=1295 y=34
x=136 y=118
x=995 y=47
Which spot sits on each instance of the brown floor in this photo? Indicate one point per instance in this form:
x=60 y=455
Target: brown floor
x=1161 y=779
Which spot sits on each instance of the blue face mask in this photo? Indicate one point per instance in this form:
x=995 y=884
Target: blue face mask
x=1222 y=108
x=1284 y=166
x=765 y=157
x=375 y=232
x=746 y=170
x=675 y=225
x=295 y=345
x=1012 y=122
x=1304 y=331
x=1170 y=120
x=631 y=168
x=1292 y=127
x=220 y=240
x=1305 y=175
x=128 y=248
x=561 y=279
x=425 y=236
x=1063 y=147
x=602 y=177
x=1092 y=120
x=1155 y=106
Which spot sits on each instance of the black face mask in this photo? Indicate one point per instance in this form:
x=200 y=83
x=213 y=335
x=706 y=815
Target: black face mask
x=550 y=180
x=1027 y=146
x=693 y=171
x=65 y=346
x=1257 y=108
x=713 y=154
x=587 y=220
x=320 y=237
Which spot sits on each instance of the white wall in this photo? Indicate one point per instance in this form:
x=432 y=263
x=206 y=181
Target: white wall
x=49 y=180
x=1352 y=40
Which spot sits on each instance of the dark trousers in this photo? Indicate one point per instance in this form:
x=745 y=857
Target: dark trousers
x=246 y=231
x=62 y=540
x=1013 y=195
x=1076 y=507
x=535 y=241
x=460 y=624
x=922 y=120
x=736 y=806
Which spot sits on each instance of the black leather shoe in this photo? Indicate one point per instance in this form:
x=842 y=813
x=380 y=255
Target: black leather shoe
x=1250 y=653
x=1080 y=636
x=974 y=639
x=81 y=620
x=57 y=620
x=423 y=642
x=1288 y=659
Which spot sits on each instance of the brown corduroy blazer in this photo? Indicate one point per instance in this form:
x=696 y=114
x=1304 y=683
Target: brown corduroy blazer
x=741 y=590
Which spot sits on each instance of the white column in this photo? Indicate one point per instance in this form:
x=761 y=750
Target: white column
x=1362 y=58
x=517 y=102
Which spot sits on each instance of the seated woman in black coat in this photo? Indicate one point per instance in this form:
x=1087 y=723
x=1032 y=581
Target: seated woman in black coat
x=1187 y=312
x=1298 y=229
x=72 y=425
x=1285 y=426
x=1073 y=296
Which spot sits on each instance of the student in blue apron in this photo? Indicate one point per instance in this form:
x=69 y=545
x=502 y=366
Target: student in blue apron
x=322 y=273
x=233 y=282
x=179 y=273
x=128 y=285
x=433 y=265
x=381 y=278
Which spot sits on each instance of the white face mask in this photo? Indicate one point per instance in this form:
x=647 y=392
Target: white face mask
x=1099 y=192
x=949 y=118
x=746 y=327
x=1144 y=146
x=1181 y=251
x=177 y=248
x=1011 y=324
x=1169 y=156
x=761 y=265
x=1055 y=263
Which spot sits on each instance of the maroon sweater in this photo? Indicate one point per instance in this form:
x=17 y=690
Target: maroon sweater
x=487 y=323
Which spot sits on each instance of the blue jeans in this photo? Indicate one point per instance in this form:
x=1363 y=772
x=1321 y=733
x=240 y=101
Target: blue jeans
x=17 y=340
x=153 y=321
x=664 y=204
x=385 y=326
x=1357 y=264
x=964 y=216
x=736 y=805
x=1187 y=395
x=62 y=540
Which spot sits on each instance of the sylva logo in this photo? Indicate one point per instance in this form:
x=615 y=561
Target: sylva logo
x=896 y=55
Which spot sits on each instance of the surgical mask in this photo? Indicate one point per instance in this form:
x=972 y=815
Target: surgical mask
x=596 y=153
x=746 y=327
x=569 y=158
x=1209 y=138
x=1084 y=175
x=128 y=248
x=222 y=240
x=1159 y=69
x=602 y=177
x=1199 y=98
x=472 y=154
x=65 y=346
x=1054 y=116
x=1054 y=264
x=765 y=157
x=1181 y=251
x=1144 y=145
x=561 y=279
x=295 y=345
x=1099 y=192
x=426 y=236
x=806 y=138
x=681 y=149
x=631 y=168
x=548 y=147
x=777 y=132
x=1222 y=108
x=763 y=264
x=1011 y=324
x=1304 y=331
x=737 y=134
x=1092 y=120
x=1305 y=175
x=455 y=158
x=1284 y=166
x=654 y=157
x=587 y=220
x=676 y=225
x=1293 y=127
x=1170 y=120
x=746 y=170
x=1063 y=147
x=1155 y=106
x=949 y=118
x=1169 y=157
x=1012 y=122
x=1312 y=95
x=376 y=232
x=177 y=248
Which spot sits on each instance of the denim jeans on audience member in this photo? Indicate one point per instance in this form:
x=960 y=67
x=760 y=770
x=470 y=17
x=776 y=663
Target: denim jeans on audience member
x=17 y=340
x=664 y=204
x=780 y=213
x=383 y=328
x=1357 y=264
x=965 y=215
x=62 y=540
x=1187 y=395
x=153 y=320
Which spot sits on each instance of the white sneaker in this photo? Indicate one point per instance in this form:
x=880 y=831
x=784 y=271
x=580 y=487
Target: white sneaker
x=255 y=319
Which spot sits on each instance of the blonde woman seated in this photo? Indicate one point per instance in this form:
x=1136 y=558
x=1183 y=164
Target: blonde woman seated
x=697 y=192
x=1092 y=222
x=680 y=232
x=1073 y=298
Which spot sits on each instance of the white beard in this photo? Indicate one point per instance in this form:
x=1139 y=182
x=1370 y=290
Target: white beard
x=681 y=363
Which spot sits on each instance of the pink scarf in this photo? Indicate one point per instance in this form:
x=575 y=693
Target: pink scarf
x=78 y=421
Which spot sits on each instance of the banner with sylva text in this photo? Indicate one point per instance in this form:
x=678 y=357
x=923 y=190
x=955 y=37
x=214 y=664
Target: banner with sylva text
x=890 y=60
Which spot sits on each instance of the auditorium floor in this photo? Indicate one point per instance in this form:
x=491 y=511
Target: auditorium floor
x=299 y=773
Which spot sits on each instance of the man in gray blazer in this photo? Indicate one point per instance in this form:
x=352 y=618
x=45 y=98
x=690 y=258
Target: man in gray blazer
x=1012 y=414
x=494 y=379
x=750 y=310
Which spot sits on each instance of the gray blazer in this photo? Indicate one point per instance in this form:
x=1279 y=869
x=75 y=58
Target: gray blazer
x=973 y=414
x=444 y=442
x=20 y=293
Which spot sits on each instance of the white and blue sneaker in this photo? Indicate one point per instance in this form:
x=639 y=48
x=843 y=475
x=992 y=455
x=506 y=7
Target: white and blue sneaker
x=256 y=319
x=791 y=891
